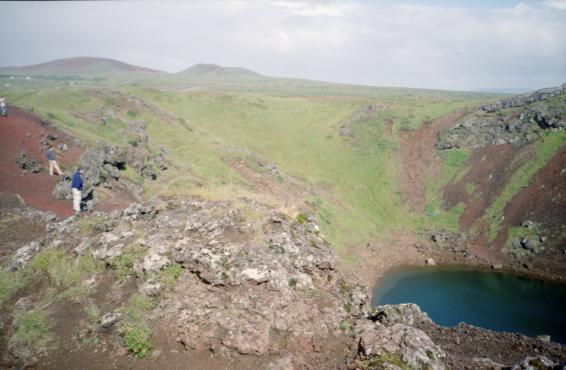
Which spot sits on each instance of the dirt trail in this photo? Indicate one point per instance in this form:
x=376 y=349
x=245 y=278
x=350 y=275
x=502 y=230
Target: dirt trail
x=420 y=160
x=23 y=131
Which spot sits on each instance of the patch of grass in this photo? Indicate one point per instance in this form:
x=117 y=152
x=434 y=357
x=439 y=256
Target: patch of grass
x=470 y=188
x=518 y=234
x=63 y=270
x=137 y=340
x=87 y=225
x=136 y=332
x=345 y=326
x=92 y=313
x=124 y=263
x=430 y=211
x=170 y=274
x=133 y=175
x=132 y=113
x=41 y=261
x=10 y=282
x=138 y=307
x=540 y=153
x=453 y=167
x=383 y=362
x=69 y=271
x=33 y=330
x=301 y=218
x=88 y=334
x=293 y=282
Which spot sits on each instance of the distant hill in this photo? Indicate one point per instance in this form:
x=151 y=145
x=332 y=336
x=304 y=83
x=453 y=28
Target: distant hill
x=213 y=70
x=503 y=90
x=80 y=66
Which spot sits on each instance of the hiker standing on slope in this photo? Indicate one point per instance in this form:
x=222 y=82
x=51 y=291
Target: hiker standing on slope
x=52 y=162
x=3 y=107
x=77 y=187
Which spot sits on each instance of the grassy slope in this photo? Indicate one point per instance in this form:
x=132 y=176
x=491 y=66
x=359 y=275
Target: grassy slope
x=539 y=154
x=355 y=179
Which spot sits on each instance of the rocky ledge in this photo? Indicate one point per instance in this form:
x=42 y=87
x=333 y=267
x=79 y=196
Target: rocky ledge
x=234 y=279
x=516 y=121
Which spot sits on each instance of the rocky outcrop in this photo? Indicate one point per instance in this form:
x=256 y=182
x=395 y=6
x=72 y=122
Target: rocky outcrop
x=101 y=168
x=139 y=156
x=250 y=288
x=525 y=99
x=516 y=121
x=240 y=279
x=389 y=338
x=364 y=114
x=28 y=164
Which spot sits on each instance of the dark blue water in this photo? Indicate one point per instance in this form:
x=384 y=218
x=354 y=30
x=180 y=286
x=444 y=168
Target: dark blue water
x=491 y=300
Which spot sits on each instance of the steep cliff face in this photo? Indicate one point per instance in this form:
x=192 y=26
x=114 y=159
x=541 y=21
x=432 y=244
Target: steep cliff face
x=513 y=186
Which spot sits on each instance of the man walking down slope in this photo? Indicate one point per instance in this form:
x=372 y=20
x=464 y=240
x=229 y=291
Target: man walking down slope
x=3 y=107
x=77 y=187
x=52 y=161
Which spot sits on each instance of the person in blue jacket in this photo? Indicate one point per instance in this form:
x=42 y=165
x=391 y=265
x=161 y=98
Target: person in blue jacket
x=77 y=187
x=3 y=107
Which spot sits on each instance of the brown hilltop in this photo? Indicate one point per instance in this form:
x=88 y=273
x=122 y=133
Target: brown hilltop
x=78 y=65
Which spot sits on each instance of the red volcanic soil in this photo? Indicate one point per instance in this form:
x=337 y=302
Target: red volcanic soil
x=420 y=160
x=22 y=131
x=491 y=167
x=543 y=201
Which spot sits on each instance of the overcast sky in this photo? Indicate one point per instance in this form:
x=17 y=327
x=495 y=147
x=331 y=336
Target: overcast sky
x=451 y=44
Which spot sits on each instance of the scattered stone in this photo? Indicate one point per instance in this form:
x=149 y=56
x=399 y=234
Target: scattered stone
x=151 y=289
x=530 y=245
x=89 y=283
x=283 y=363
x=516 y=244
x=48 y=217
x=23 y=304
x=28 y=164
x=538 y=362
x=345 y=131
x=430 y=262
x=109 y=319
x=528 y=224
x=155 y=262
x=24 y=254
x=486 y=363
x=155 y=354
x=121 y=351
x=410 y=344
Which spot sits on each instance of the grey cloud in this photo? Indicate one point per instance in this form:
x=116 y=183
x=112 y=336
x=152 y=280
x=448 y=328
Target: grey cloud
x=352 y=42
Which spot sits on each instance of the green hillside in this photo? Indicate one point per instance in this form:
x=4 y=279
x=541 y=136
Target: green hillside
x=351 y=182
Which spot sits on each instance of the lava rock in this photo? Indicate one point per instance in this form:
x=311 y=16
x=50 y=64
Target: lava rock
x=109 y=319
x=28 y=164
